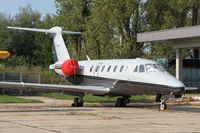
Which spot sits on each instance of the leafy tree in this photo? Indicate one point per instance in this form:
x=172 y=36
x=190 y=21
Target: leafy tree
x=109 y=28
x=5 y=20
x=113 y=26
x=22 y=42
x=165 y=14
x=43 y=54
x=72 y=15
x=14 y=61
x=104 y=24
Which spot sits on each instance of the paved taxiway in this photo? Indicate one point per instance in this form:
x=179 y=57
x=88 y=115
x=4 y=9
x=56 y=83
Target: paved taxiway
x=56 y=116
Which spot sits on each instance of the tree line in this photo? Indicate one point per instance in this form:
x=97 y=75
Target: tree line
x=109 y=29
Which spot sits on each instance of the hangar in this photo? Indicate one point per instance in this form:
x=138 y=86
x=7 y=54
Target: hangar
x=180 y=38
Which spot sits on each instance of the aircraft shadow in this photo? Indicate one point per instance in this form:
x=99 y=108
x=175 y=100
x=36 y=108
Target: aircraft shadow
x=154 y=106
x=44 y=110
x=182 y=108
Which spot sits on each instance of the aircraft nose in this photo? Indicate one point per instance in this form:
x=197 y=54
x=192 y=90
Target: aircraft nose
x=175 y=84
x=180 y=84
x=180 y=87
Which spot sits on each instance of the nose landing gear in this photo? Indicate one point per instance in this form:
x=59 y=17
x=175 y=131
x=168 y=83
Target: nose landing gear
x=163 y=106
x=160 y=98
x=163 y=99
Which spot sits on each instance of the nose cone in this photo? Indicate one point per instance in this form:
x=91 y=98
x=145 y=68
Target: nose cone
x=175 y=84
x=168 y=80
x=179 y=89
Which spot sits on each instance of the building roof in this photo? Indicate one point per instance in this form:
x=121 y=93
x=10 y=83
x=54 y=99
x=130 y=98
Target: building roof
x=170 y=34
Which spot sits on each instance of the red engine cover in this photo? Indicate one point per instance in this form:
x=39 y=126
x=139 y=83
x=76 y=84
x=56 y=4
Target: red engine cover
x=70 y=67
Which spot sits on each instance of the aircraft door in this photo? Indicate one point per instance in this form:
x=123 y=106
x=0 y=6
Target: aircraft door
x=97 y=69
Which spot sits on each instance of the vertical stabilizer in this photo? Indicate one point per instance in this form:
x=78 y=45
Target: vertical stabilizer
x=61 y=51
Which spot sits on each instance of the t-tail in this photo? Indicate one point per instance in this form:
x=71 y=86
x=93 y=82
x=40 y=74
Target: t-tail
x=64 y=64
x=61 y=51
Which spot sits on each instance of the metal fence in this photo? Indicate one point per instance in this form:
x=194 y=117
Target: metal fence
x=26 y=77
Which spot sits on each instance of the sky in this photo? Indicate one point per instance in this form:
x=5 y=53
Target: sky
x=12 y=6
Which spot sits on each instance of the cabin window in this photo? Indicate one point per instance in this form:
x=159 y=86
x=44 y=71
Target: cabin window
x=91 y=68
x=115 y=68
x=108 y=69
x=136 y=69
x=141 y=69
x=102 y=68
x=96 y=68
x=121 y=69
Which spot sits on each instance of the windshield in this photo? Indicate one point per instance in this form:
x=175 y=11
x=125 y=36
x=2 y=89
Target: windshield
x=154 y=68
x=161 y=68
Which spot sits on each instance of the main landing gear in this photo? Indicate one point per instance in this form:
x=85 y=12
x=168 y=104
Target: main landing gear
x=121 y=102
x=78 y=102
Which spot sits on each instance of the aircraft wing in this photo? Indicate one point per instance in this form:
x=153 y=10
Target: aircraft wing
x=98 y=90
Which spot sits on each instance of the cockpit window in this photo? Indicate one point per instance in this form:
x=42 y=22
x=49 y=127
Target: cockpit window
x=161 y=68
x=154 y=68
x=141 y=69
x=151 y=68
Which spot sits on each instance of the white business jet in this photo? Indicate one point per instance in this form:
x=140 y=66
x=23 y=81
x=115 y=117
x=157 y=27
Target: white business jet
x=118 y=77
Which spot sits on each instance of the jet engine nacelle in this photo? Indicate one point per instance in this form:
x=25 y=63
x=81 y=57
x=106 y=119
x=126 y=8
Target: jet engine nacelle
x=70 y=67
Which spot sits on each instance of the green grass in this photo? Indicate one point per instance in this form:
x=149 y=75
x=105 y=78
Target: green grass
x=13 y=99
x=94 y=99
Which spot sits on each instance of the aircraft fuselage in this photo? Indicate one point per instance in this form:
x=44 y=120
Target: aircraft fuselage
x=125 y=77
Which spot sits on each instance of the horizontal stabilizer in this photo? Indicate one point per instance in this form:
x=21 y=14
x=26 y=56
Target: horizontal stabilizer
x=30 y=29
x=43 y=30
x=98 y=90
x=71 y=32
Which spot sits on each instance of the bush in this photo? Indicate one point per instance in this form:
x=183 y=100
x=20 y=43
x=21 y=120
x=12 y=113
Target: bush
x=47 y=76
x=14 y=61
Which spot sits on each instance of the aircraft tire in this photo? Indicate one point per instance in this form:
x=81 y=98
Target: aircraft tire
x=163 y=106
x=78 y=102
x=121 y=102
x=81 y=104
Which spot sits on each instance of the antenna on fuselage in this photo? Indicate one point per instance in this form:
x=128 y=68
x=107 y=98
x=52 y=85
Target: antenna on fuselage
x=88 y=58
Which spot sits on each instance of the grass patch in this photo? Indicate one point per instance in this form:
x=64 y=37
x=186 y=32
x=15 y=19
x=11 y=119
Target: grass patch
x=13 y=99
x=57 y=96
x=95 y=99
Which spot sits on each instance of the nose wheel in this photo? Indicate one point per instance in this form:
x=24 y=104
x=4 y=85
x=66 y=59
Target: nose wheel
x=163 y=106
x=162 y=99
